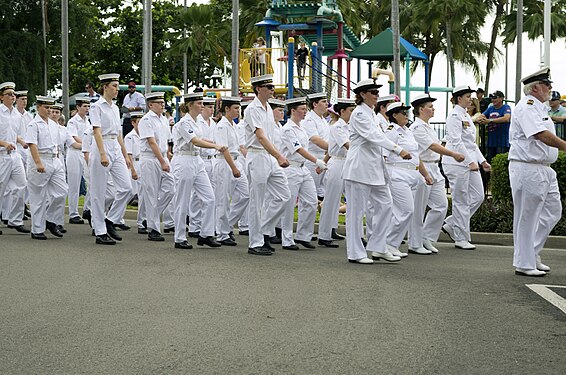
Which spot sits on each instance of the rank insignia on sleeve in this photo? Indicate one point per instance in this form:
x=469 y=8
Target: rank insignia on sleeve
x=545 y=119
x=465 y=124
x=296 y=143
x=390 y=127
x=530 y=102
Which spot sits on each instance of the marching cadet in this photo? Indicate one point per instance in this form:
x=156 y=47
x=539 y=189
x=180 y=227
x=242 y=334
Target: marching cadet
x=405 y=177
x=75 y=159
x=338 y=145
x=301 y=184
x=157 y=183
x=46 y=176
x=132 y=144
x=366 y=178
x=317 y=130
x=12 y=172
x=464 y=177
x=21 y=105
x=108 y=158
x=226 y=175
x=190 y=174
x=241 y=195
x=381 y=109
x=423 y=232
x=536 y=198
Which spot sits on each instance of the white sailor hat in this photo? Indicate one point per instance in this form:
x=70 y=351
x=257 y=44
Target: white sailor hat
x=366 y=84
x=244 y=104
x=461 y=90
x=137 y=114
x=207 y=100
x=21 y=93
x=110 y=77
x=341 y=104
x=387 y=98
x=317 y=96
x=154 y=95
x=276 y=103
x=58 y=106
x=44 y=100
x=295 y=102
x=261 y=80
x=423 y=98
x=396 y=107
x=542 y=75
x=82 y=100
x=7 y=86
x=231 y=100
x=192 y=97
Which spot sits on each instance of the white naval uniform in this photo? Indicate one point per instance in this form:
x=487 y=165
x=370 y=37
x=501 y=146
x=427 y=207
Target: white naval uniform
x=157 y=185
x=465 y=185
x=315 y=125
x=132 y=144
x=87 y=141
x=536 y=199
x=106 y=116
x=224 y=182
x=405 y=178
x=75 y=163
x=266 y=178
x=207 y=154
x=239 y=193
x=278 y=143
x=191 y=179
x=301 y=185
x=47 y=190
x=66 y=141
x=433 y=196
x=366 y=179
x=334 y=184
x=12 y=170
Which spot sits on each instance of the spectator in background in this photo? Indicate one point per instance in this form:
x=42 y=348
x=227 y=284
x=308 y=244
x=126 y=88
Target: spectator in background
x=484 y=102
x=133 y=101
x=557 y=112
x=259 y=56
x=302 y=54
x=497 y=117
x=563 y=101
x=93 y=95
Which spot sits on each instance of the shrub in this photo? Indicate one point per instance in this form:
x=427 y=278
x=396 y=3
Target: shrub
x=499 y=179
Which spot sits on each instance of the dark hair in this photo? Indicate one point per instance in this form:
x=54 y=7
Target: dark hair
x=313 y=102
x=359 y=99
x=90 y=84
x=392 y=119
x=225 y=105
x=417 y=108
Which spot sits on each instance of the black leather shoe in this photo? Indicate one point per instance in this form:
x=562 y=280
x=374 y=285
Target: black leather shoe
x=5 y=222
x=0 y=232
x=183 y=245
x=306 y=244
x=194 y=234
x=228 y=242
x=208 y=241
x=92 y=233
x=154 y=235
x=244 y=233
x=27 y=211
x=142 y=231
x=275 y=240
x=290 y=247
x=266 y=243
x=314 y=238
x=259 y=251
x=76 y=220
x=105 y=240
x=169 y=230
x=231 y=235
x=335 y=235
x=122 y=226
x=38 y=236
x=52 y=227
x=278 y=232
x=19 y=228
x=61 y=229
x=111 y=231
x=364 y=242
x=86 y=215
x=144 y=223
x=327 y=243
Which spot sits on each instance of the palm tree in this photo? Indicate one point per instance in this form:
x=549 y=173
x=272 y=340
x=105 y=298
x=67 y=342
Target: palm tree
x=499 y=12
x=533 y=20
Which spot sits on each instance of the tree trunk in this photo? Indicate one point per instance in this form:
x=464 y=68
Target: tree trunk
x=449 y=56
x=494 y=32
x=396 y=51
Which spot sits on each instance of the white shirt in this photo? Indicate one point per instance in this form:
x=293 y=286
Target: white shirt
x=156 y=126
x=183 y=132
x=339 y=135
x=76 y=127
x=383 y=122
x=10 y=123
x=258 y=117
x=132 y=144
x=403 y=137
x=224 y=133
x=45 y=135
x=461 y=137
x=106 y=116
x=87 y=139
x=207 y=131
x=315 y=125
x=529 y=118
x=293 y=137
x=133 y=100
x=426 y=136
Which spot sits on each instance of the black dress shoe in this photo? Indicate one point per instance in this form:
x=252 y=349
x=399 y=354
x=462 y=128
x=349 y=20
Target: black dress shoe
x=335 y=235
x=92 y=233
x=5 y=222
x=275 y=240
x=208 y=241
x=267 y=243
x=183 y=245
x=154 y=235
x=19 y=228
x=306 y=244
x=327 y=243
x=122 y=226
x=61 y=229
x=105 y=240
x=228 y=242
x=144 y=223
x=142 y=231
x=290 y=247
x=278 y=232
x=38 y=236
x=194 y=234
x=27 y=211
x=231 y=235
x=52 y=227
x=169 y=230
x=26 y=217
x=76 y=220
x=111 y=231
x=313 y=238
x=244 y=233
x=86 y=215
x=0 y=232
x=259 y=251
x=364 y=242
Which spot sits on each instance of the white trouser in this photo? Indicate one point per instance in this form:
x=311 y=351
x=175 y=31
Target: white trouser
x=75 y=170
x=158 y=188
x=301 y=185
x=86 y=176
x=169 y=215
x=334 y=185
x=225 y=186
x=191 y=181
x=403 y=185
x=433 y=196
x=136 y=188
x=358 y=195
x=238 y=212
x=536 y=210
x=12 y=187
x=99 y=176
x=317 y=178
x=47 y=192
x=467 y=196
x=196 y=206
x=267 y=182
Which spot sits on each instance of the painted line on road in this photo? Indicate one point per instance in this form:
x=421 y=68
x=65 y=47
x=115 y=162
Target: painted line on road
x=545 y=292
x=508 y=246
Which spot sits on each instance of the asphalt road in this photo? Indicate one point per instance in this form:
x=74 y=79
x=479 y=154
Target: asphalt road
x=69 y=306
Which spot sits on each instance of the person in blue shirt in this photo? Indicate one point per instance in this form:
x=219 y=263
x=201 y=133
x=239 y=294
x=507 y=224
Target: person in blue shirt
x=497 y=118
